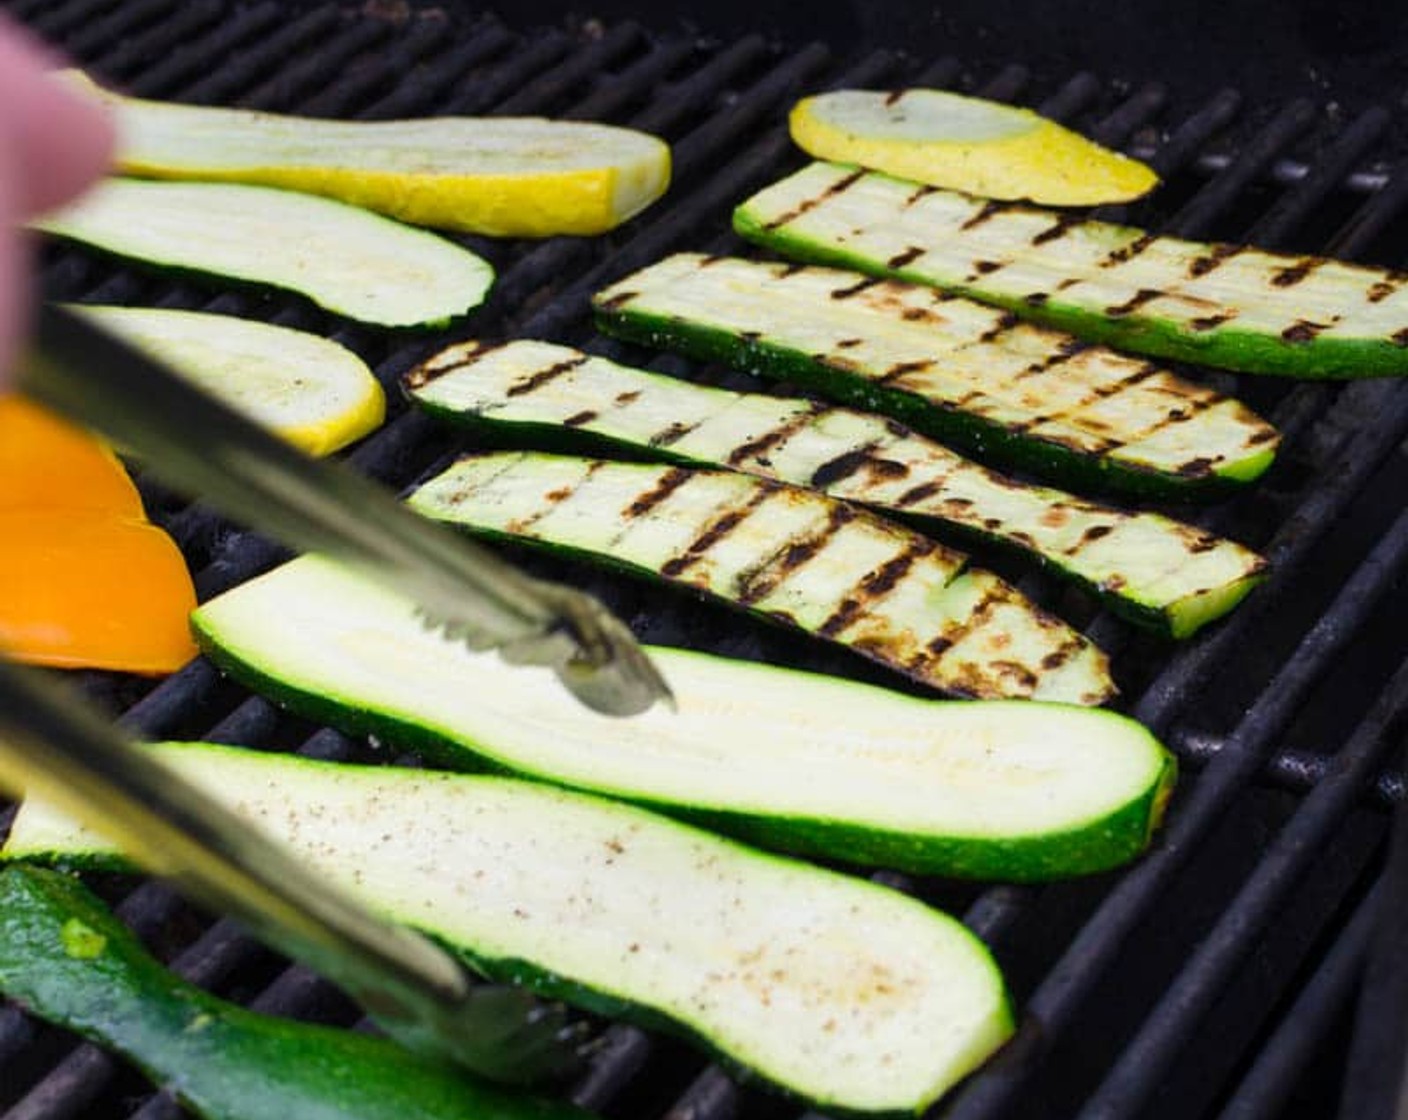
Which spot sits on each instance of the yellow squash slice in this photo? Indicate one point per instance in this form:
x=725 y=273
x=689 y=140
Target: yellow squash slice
x=502 y=176
x=965 y=144
x=313 y=392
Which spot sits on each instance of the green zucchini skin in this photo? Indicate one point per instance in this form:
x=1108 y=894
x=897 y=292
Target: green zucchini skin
x=1182 y=578
x=1010 y=393
x=67 y=959
x=852 y=996
x=894 y=780
x=785 y=554
x=345 y=259
x=1278 y=314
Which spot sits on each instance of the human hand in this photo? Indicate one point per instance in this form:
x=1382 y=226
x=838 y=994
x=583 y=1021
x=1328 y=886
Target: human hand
x=53 y=143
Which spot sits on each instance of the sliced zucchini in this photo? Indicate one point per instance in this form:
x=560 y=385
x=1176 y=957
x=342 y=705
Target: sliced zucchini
x=1171 y=577
x=1216 y=304
x=503 y=176
x=789 y=555
x=68 y=960
x=833 y=988
x=1011 y=393
x=316 y=394
x=343 y=258
x=967 y=144
x=1005 y=790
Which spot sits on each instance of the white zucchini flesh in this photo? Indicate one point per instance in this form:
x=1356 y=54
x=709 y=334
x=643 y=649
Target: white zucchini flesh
x=839 y=990
x=800 y=760
x=343 y=258
x=310 y=390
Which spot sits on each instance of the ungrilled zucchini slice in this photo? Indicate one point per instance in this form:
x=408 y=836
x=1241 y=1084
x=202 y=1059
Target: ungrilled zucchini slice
x=1009 y=393
x=1168 y=576
x=830 y=987
x=503 y=176
x=1217 y=304
x=343 y=258
x=786 y=554
x=316 y=394
x=797 y=761
x=68 y=960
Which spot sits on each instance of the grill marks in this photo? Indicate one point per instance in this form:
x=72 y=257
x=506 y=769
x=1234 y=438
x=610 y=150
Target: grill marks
x=932 y=352
x=793 y=555
x=1209 y=303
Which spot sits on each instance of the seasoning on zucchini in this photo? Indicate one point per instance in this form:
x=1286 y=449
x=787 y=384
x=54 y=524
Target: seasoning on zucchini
x=967 y=144
x=503 y=176
x=786 y=554
x=1000 y=790
x=343 y=258
x=68 y=960
x=1216 y=304
x=1170 y=577
x=314 y=393
x=1010 y=393
x=830 y=987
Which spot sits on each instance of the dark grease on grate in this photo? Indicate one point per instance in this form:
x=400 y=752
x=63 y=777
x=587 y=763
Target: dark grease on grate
x=1214 y=977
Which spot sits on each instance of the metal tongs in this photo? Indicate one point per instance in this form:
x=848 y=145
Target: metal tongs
x=52 y=746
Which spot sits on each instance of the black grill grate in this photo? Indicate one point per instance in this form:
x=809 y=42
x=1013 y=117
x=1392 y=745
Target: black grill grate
x=1212 y=978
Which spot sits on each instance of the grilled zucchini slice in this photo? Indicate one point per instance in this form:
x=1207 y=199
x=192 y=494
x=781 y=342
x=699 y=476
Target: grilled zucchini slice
x=502 y=176
x=1006 y=790
x=1216 y=304
x=341 y=257
x=1170 y=577
x=789 y=555
x=68 y=960
x=833 y=988
x=1010 y=393
x=314 y=393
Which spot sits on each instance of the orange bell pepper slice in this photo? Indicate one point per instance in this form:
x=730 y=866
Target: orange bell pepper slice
x=86 y=581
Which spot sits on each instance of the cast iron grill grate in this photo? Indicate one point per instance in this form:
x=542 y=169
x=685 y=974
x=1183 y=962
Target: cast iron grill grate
x=1216 y=976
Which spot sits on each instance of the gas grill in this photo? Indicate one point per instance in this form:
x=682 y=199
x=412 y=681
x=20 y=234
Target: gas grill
x=1220 y=975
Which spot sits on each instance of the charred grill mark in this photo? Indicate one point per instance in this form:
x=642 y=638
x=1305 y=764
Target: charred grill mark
x=1399 y=338
x=988 y=210
x=1068 y=282
x=916 y=314
x=893 y=97
x=1127 y=252
x=1056 y=229
x=760 y=582
x=840 y=618
x=1143 y=373
x=629 y=396
x=1036 y=299
x=834 y=189
x=1195 y=468
x=713 y=533
x=790 y=269
x=430 y=371
x=848 y=343
x=543 y=376
x=672 y=434
x=711 y=259
x=1201 y=542
x=899 y=370
x=1292 y=275
x=1067 y=349
x=853 y=462
x=586 y=416
x=985 y=268
x=1302 y=330
x=886 y=577
x=922 y=192
x=756 y=447
x=854 y=289
x=1094 y=533
x=1263 y=435
x=1005 y=322
x=921 y=493
x=1213 y=258
x=1061 y=654
x=1380 y=290
x=613 y=303
x=1208 y=322
x=669 y=482
x=1134 y=303
x=899 y=260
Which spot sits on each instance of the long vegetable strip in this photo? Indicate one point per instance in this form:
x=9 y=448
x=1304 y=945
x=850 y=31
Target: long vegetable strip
x=1217 y=304
x=1169 y=576
x=1012 y=394
x=788 y=554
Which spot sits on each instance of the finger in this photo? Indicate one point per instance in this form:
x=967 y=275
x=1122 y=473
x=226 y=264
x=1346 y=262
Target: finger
x=15 y=294
x=59 y=140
